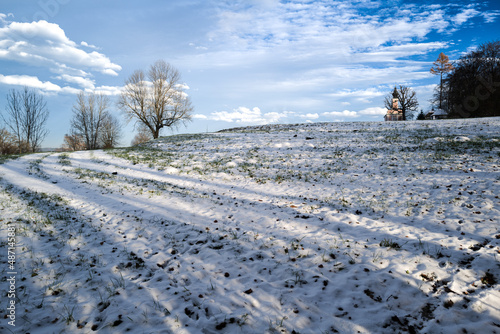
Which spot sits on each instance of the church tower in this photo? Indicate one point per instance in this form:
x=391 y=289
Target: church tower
x=395 y=113
x=395 y=99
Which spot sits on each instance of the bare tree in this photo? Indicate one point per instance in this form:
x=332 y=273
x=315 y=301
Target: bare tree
x=15 y=117
x=142 y=136
x=111 y=132
x=158 y=102
x=73 y=142
x=89 y=115
x=407 y=101
x=26 y=116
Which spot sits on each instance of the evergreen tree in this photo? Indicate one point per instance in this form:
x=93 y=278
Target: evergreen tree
x=421 y=116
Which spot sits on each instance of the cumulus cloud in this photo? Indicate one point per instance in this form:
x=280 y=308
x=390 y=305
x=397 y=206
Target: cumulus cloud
x=33 y=82
x=108 y=90
x=30 y=81
x=248 y=116
x=373 y=111
x=83 y=43
x=52 y=88
x=345 y=113
x=310 y=116
x=43 y=44
x=200 y=116
x=83 y=82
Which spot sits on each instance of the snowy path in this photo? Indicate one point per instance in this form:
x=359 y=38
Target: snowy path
x=355 y=227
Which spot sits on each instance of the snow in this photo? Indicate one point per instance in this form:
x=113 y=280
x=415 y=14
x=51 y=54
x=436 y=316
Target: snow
x=310 y=228
x=461 y=138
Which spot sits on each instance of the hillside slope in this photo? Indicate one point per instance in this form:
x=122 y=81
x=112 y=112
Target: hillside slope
x=311 y=228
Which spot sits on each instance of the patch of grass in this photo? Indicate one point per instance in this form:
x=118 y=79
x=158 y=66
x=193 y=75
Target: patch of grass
x=389 y=244
x=35 y=169
x=7 y=157
x=64 y=159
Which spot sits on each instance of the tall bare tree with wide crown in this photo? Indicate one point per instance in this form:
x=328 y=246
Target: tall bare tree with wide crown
x=157 y=99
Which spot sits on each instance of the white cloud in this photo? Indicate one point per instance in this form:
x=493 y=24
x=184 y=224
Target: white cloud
x=490 y=17
x=345 y=113
x=289 y=51
x=248 y=116
x=393 y=52
x=83 y=43
x=339 y=30
x=108 y=90
x=360 y=95
x=52 y=88
x=109 y=71
x=200 y=116
x=182 y=86
x=465 y=15
x=81 y=81
x=310 y=116
x=45 y=44
x=373 y=111
x=29 y=81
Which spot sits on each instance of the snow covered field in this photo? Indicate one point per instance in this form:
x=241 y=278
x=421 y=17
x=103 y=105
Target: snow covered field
x=311 y=228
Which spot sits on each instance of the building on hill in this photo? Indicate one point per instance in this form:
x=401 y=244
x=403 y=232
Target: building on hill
x=436 y=114
x=396 y=113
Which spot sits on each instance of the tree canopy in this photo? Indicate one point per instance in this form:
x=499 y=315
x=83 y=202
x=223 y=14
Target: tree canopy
x=157 y=99
x=474 y=84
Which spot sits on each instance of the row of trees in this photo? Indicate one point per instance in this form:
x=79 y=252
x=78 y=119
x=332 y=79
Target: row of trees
x=153 y=100
x=470 y=87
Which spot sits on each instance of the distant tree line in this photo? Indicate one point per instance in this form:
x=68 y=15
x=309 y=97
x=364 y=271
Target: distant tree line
x=471 y=87
x=154 y=100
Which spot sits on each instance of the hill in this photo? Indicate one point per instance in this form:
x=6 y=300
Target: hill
x=309 y=228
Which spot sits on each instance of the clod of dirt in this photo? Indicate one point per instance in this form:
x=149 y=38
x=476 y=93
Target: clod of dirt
x=428 y=311
x=221 y=326
x=371 y=294
x=488 y=279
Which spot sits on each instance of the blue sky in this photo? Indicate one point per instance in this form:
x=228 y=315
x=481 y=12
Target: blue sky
x=245 y=62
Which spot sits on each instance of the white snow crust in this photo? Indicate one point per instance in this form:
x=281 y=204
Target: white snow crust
x=309 y=228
